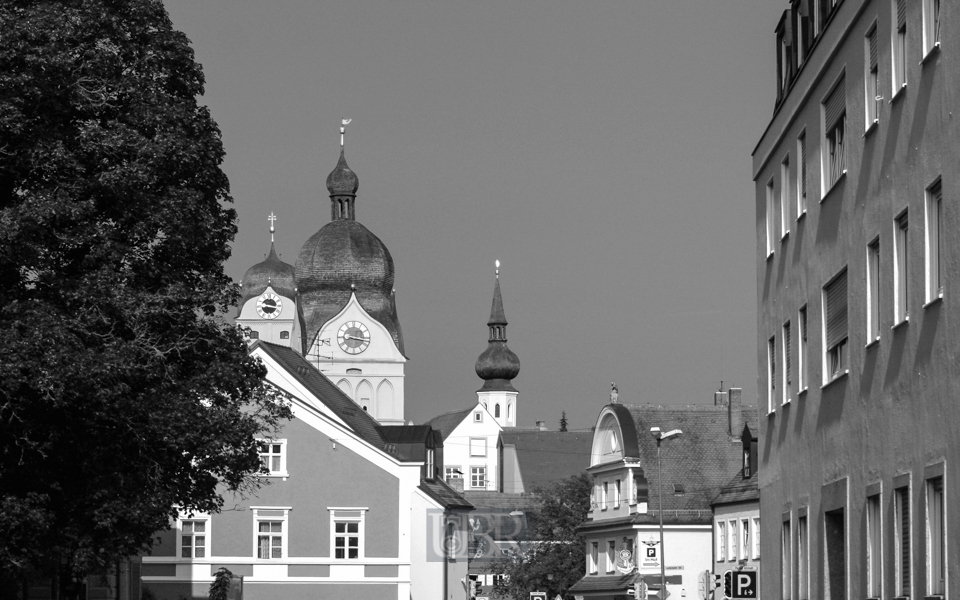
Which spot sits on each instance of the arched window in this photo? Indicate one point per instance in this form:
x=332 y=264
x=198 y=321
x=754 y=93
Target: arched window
x=508 y=411
x=496 y=411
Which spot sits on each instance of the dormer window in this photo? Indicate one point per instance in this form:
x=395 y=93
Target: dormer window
x=678 y=489
x=430 y=466
x=746 y=463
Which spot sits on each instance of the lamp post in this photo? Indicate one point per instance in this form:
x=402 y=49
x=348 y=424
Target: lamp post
x=657 y=435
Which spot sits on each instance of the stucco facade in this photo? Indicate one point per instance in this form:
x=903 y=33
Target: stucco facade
x=857 y=330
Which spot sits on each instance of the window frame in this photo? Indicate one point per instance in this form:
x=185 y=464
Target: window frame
x=933 y=245
x=836 y=357
x=802 y=174
x=452 y=472
x=873 y=290
x=478 y=450
x=901 y=267
x=770 y=217
x=931 y=26
x=733 y=539
x=478 y=470
x=721 y=541
x=611 y=556
x=873 y=546
x=803 y=557
x=771 y=374
x=784 y=198
x=903 y=580
x=871 y=78
x=181 y=534
x=786 y=559
x=935 y=530
x=282 y=472
x=593 y=558
x=259 y=517
x=745 y=537
x=802 y=349
x=786 y=383
x=755 y=546
x=898 y=54
x=348 y=515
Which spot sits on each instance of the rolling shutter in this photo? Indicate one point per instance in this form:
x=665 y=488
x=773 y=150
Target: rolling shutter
x=836 y=310
x=835 y=105
x=874 y=51
x=901 y=13
x=803 y=166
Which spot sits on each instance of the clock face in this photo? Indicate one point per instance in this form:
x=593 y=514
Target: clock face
x=269 y=306
x=353 y=337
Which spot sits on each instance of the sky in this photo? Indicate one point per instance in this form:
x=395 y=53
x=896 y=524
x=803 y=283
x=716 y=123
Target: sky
x=600 y=150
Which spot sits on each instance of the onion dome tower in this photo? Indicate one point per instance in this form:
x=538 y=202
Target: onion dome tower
x=347 y=302
x=268 y=294
x=498 y=365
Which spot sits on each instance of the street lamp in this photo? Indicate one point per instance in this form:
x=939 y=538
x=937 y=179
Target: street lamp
x=657 y=435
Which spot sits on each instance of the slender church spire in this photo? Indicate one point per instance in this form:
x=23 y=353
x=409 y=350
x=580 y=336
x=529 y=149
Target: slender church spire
x=497 y=365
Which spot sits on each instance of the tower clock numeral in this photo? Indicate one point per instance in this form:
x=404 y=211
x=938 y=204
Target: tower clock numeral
x=353 y=337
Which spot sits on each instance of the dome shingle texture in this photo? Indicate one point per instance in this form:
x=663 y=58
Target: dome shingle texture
x=342 y=180
x=341 y=254
x=271 y=272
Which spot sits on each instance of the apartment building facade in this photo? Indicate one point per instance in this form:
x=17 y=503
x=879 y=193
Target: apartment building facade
x=858 y=297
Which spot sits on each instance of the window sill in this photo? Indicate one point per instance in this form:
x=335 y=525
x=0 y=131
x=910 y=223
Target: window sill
x=802 y=392
x=934 y=597
x=936 y=300
x=786 y=402
x=872 y=128
x=899 y=93
x=836 y=378
x=769 y=255
x=905 y=320
x=833 y=186
x=926 y=57
x=873 y=342
x=801 y=215
x=783 y=238
x=283 y=476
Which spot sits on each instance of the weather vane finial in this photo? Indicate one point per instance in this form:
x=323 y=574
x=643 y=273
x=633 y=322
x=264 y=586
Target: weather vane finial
x=343 y=128
x=272 y=218
x=498 y=268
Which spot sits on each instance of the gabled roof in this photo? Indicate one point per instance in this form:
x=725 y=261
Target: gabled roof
x=447 y=422
x=546 y=457
x=406 y=434
x=701 y=460
x=443 y=494
x=332 y=397
x=739 y=489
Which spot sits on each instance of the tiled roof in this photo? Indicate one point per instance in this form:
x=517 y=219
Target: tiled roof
x=447 y=422
x=332 y=397
x=546 y=457
x=501 y=501
x=739 y=490
x=444 y=495
x=700 y=460
x=405 y=434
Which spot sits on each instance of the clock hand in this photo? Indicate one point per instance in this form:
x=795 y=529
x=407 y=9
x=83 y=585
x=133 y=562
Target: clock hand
x=353 y=337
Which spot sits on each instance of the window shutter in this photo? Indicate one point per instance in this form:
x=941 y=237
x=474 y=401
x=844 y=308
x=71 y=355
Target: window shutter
x=804 y=8
x=785 y=22
x=905 y=539
x=836 y=309
x=873 y=49
x=835 y=105
x=901 y=13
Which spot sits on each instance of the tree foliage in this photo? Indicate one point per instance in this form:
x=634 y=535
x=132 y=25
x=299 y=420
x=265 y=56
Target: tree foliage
x=554 y=559
x=123 y=393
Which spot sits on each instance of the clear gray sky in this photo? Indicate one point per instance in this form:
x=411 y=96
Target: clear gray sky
x=599 y=149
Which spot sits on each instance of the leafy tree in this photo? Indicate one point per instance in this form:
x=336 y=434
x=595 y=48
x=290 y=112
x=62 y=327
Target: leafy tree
x=553 y=560
x=563 y=421
x=123 y=392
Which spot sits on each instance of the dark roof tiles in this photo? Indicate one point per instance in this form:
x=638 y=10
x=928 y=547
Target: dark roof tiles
x=546 y=457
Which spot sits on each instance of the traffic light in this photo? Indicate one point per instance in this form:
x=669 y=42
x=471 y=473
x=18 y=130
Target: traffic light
x=477 y=587
x=728 y=584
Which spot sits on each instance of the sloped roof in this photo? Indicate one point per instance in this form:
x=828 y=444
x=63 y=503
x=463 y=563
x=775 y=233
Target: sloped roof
x=332 y=397
x=739 y=489
x=501 y=501
x=444 y=495
x=701 y=460
x=405 y=434
x=546 y=457
x=603 y=583
x=447 y=422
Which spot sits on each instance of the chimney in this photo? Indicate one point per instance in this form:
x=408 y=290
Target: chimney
x=542 y=425
x=456 y=483
x=733 y=409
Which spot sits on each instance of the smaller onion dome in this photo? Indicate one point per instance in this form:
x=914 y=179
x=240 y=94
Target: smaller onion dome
x=342 y=181
x=271 y=272
x=497 y=365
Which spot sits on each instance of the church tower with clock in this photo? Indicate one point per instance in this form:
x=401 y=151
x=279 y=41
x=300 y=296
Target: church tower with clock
x=268 y=304
x=347 y=305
